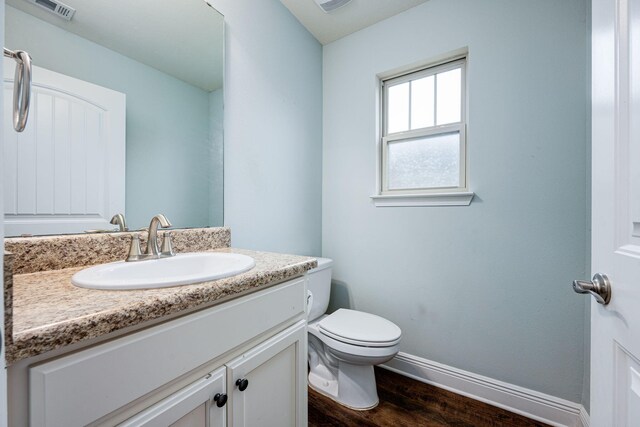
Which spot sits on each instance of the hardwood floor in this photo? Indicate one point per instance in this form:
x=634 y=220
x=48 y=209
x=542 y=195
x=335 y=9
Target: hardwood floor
x=410 y=403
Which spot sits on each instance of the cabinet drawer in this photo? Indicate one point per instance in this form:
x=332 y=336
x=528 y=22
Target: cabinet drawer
x=77 y=389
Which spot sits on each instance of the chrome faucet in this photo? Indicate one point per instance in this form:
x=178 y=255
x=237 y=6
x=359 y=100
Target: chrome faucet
x=153 y=250
x=118 y=219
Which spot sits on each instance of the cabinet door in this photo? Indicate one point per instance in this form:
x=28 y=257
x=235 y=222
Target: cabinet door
x=193 y=406
x=269 y=382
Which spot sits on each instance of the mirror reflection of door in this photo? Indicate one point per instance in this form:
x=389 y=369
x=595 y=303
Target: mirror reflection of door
x=168 y=61
x=65 y=172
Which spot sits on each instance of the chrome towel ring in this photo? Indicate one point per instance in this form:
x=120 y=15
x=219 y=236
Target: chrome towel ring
x=21 y=88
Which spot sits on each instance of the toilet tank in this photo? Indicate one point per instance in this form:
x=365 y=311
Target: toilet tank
x=319 y=287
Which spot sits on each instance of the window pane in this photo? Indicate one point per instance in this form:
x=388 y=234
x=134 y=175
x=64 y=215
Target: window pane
x=449 y=96
x=398 y=114
x=422 y=102
x=427 y=162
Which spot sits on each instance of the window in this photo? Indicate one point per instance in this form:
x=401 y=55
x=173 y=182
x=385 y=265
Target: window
x=423 y=144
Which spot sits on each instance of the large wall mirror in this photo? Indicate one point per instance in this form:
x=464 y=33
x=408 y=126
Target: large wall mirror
x=126 y=115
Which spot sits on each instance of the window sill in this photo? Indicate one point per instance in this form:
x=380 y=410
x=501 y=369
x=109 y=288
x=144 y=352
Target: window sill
x=436 y=199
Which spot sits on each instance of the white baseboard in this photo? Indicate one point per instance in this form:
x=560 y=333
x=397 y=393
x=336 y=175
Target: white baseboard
x=529 y=403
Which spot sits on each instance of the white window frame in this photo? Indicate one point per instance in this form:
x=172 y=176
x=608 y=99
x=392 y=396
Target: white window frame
x=440 y=196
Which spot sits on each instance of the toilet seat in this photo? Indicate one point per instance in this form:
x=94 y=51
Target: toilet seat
x=351 y=351
x=359 y=329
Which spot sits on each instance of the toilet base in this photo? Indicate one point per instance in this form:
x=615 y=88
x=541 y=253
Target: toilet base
x=354 y=387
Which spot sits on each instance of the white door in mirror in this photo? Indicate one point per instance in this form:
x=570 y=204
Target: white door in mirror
x=182 y=269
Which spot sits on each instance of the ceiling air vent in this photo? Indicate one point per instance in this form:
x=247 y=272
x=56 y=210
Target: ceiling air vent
x=56 y=7
x=331 y=5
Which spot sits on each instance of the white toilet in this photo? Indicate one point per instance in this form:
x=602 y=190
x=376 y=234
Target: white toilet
x=344 y=346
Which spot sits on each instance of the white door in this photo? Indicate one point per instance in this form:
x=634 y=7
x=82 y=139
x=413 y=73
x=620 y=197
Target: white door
x=615 y=246
x=268 y=384
x=65 y=172
x=201 y=404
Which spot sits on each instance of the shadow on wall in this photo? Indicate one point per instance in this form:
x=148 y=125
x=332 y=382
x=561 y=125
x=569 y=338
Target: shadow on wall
x=340 y=296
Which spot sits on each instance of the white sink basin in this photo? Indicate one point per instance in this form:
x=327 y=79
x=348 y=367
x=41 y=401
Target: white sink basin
x=182 y=269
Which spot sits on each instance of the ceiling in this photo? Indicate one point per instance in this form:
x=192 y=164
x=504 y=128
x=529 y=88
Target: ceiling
x=182 y=39
x=329 y=27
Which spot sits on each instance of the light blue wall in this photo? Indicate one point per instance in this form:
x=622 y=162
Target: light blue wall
x=485 y=288
x=168 y=145
x=272 y=127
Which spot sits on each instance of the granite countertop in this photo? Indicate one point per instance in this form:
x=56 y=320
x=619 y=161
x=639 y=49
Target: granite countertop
x=50 y=313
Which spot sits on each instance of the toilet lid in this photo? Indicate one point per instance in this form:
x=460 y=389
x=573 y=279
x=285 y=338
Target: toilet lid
x=358 y=328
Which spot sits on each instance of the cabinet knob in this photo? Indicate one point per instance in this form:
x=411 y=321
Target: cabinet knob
x=242 y=384
x=220 y=399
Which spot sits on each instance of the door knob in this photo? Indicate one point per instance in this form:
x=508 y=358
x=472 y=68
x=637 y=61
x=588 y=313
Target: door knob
x=599 y=287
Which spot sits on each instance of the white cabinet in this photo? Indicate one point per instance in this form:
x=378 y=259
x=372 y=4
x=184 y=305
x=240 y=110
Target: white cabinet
x=169 y=374
x=269 y=383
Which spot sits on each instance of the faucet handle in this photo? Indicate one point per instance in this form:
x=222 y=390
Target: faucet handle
x=135 y=253
x=167 y=247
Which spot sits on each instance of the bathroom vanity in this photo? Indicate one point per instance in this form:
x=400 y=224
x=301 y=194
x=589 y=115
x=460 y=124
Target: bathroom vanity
x=227 y=352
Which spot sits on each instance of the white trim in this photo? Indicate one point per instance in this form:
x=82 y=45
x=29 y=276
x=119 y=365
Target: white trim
x=430 y=62
x=459 y=198
x=529 y=403
x=426 y=71
x=585 y=420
